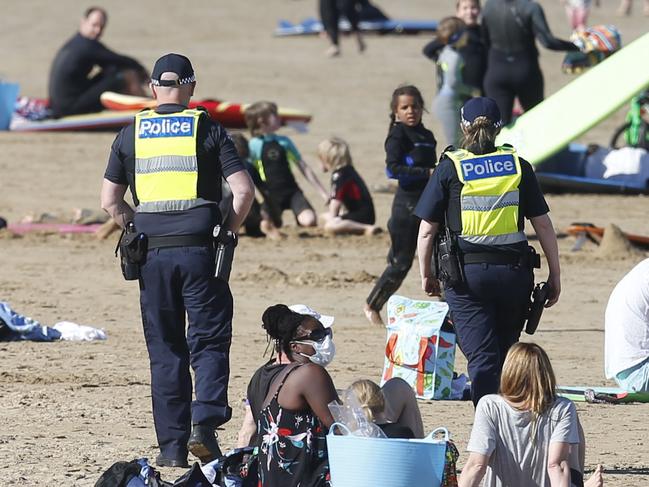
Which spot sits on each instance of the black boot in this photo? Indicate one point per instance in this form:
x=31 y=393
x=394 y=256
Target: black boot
x=203 y=444
x=162 y=461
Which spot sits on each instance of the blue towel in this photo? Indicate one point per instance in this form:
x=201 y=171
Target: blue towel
x=15 y=327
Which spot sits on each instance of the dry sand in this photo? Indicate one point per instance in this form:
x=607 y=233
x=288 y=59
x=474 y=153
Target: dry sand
x=69 y=410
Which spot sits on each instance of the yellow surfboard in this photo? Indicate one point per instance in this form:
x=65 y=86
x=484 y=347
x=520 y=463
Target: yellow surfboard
x=580 y=105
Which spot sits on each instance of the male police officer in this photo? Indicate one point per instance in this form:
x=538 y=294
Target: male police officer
x=173 y=158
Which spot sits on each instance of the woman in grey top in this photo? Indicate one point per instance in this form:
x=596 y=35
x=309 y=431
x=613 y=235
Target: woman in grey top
x=526 y=436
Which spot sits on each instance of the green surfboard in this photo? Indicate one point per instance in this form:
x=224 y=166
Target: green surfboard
x=581 y=104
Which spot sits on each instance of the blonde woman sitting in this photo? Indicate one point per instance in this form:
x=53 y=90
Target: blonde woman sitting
x=392 y=408
x=526 y=436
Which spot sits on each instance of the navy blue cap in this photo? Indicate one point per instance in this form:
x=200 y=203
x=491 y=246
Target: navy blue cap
x=481 y=107
x=173 y=63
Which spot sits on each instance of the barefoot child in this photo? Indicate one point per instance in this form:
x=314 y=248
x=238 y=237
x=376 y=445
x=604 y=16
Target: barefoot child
x=410 y=159
x=348 y=192
x=272 y=156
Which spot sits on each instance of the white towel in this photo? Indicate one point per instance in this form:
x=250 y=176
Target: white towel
x=73 y=331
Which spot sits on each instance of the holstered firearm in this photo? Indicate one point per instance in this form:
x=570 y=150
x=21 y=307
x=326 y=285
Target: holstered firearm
x=540 y=296
x=448 y=266
x=225 y=241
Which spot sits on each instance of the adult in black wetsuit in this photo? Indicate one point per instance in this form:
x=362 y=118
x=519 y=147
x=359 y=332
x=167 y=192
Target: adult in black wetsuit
x=510 y=28
x=474 y=52
x=72 y=90
x=330 y=11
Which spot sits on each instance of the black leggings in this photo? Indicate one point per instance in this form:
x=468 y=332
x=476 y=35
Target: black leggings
x=330 y=11
x=511 y=76
x=404 y=228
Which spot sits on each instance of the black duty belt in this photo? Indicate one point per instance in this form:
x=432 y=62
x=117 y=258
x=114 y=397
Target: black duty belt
x=180 y=241
x=498 y=258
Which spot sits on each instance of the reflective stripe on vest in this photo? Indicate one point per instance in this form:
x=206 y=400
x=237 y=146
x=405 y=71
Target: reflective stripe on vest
x=166 y=165
x=489 y=199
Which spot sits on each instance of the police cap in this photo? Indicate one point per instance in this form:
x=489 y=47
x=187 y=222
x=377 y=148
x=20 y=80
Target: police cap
x=173 y=63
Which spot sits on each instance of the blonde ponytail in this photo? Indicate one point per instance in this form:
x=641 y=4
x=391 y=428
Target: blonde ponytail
x=370 y=398
x=479 y=136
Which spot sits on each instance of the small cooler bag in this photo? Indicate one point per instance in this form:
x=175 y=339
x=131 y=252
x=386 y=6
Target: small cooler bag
x=419 y=348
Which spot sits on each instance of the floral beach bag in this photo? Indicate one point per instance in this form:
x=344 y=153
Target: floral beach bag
x=420 y=346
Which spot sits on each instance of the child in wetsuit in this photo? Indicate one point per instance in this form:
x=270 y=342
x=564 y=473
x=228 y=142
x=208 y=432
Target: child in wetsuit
x=272 y=156
x=258 y=222
x=348 y=192
x=453 y=92
x=410 y=158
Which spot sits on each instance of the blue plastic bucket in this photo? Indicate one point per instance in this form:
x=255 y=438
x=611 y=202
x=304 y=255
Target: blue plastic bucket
x=376 y=462
x=8 y=95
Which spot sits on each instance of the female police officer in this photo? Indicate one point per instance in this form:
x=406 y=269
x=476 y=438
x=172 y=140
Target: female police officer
x=481 y=193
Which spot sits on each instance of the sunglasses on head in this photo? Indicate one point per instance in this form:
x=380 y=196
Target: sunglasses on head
x=316 y=335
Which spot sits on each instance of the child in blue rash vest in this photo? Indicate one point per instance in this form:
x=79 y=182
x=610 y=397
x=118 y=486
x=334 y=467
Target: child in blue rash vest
x=410 y=158
x=453 y=92
x=258 y=222
x=272 y=156
x=351 y=209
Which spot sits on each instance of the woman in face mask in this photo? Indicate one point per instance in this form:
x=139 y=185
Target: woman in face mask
x=287 y=415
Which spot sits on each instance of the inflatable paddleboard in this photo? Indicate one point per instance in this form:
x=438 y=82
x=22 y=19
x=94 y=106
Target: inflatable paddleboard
x=595 y=234
x=580 y=105
x=230 y=115
x=106 y=120
x=601 y=394
x=311 y=26
x=563 y=173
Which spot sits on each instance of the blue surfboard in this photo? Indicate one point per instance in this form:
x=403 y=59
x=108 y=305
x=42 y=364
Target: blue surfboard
x=312 y=26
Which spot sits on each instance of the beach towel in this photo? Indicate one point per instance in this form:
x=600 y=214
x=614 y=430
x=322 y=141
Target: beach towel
x=420 y=346
x=16 y=327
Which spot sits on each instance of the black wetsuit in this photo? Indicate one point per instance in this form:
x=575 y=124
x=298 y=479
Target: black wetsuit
x=71 y=91
x=348 y=187
x=510 y=28
x=409 y=156
x=474 y=54
x=330 y=11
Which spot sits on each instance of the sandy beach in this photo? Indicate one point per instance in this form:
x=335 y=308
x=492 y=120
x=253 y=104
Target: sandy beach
x=70 y=410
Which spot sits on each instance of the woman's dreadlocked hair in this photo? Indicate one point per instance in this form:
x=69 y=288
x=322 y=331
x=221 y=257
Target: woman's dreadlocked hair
x=281 y=323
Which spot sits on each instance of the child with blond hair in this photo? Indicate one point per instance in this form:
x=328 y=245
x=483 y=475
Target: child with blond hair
x=351 y=209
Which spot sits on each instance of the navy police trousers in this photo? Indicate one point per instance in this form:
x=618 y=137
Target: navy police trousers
x=174 y=282
x=488 y=312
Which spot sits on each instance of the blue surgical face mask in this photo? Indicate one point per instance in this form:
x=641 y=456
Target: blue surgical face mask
x=325 y=350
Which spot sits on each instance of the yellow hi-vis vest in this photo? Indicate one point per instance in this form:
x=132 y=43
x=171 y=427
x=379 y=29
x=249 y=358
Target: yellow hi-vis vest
x=489 y=199
x=166 y=165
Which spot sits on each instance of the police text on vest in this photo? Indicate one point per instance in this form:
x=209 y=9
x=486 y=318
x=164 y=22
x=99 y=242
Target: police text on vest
x=166 y=127
x=488 y=167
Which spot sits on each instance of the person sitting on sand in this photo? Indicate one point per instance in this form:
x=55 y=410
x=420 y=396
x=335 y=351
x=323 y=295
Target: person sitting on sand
x=348 y=191
x=626 y=347
x=273 y=155
x=395 y=400
x=75 y=85
x=258 y=223
x=303 y=339
x=288 y=401
x=526 y=435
